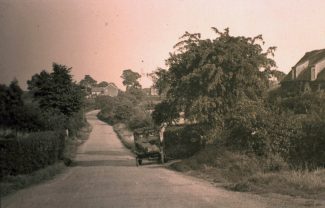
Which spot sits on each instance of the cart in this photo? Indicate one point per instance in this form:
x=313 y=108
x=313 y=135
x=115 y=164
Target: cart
x=148 y=145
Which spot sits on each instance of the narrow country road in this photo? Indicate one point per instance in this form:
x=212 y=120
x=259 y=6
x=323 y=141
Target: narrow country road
x=105 y=175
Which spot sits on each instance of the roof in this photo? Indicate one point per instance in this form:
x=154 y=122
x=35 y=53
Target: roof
x=321 y=75
x=97 y=89
x=101 y=89
x=313 y=57
x=112 y=85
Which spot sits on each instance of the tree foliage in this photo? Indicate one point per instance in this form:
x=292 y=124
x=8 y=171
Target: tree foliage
x=161 y=80
x=87 y=83
x=130 y=79
x=206 y=78
x=57 y=90
x=11 y=104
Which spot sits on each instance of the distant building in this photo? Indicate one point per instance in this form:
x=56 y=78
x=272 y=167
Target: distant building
x=150 y=91
x=308 y=74
x=110 y=90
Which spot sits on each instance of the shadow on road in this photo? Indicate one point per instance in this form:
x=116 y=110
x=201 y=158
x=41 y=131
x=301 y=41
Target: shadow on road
x=116 y=163
x=110 y=152
x=113 y=163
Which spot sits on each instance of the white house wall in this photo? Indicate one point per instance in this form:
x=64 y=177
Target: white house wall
x=320 y=66
x=300 y=68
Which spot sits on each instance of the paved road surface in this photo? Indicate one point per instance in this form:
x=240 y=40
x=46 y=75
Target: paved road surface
x=105 y=175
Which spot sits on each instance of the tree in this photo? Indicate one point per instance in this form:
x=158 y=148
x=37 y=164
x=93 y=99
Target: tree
x=164 y=112
x=130 y=79
x=57 y=90
x=11 y=104
x=161 y=80
x=206 y=78
x=87 y=83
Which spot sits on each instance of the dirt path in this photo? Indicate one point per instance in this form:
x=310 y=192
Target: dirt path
x=105 y=175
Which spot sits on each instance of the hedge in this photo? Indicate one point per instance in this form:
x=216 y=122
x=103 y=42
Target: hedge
x=25 y=155
x=182 y=141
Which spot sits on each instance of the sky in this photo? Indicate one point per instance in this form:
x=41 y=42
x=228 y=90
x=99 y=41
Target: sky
x=102 y=38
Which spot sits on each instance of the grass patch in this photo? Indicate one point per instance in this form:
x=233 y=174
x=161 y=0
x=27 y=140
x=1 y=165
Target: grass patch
x=243 y=173
x=10 y=184
x=72 y=143
x=125 y=135
x=309 y=184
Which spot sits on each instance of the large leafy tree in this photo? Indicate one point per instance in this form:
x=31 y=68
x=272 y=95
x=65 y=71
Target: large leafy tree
x=57 y=90
x=206 y=78
x=131 y=79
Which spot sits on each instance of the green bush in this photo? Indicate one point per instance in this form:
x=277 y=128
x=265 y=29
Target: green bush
x=297 y=138
x=75 y=123
x=308 y=150
x=25 y=155
x=139 y=119
x=182 y=141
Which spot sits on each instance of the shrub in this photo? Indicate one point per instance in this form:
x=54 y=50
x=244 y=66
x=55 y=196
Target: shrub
x=25 y=155
x=182 y=141
x=308 y=150
x=75 y=123
x=253 y=128
x=139 y=119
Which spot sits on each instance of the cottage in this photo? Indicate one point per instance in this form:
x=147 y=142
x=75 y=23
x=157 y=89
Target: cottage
x=110 y=90
x=308 y=74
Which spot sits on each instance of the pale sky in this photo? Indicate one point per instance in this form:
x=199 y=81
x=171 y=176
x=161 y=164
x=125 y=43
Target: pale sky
x=103 y=37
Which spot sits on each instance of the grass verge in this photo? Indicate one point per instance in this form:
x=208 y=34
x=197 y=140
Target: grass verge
x=72 y=144
x=243 y=173
x=125 y=135
x=10 y=184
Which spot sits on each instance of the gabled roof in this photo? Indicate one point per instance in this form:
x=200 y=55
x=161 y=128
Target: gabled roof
x=321 y=75
x=313 y=57
x=101 y=89
x=111 y=84
x=97 y=89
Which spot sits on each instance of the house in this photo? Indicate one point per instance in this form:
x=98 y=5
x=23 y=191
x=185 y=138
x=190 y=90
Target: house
x=110 y=90
x=150 y=91
x=308 y=74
